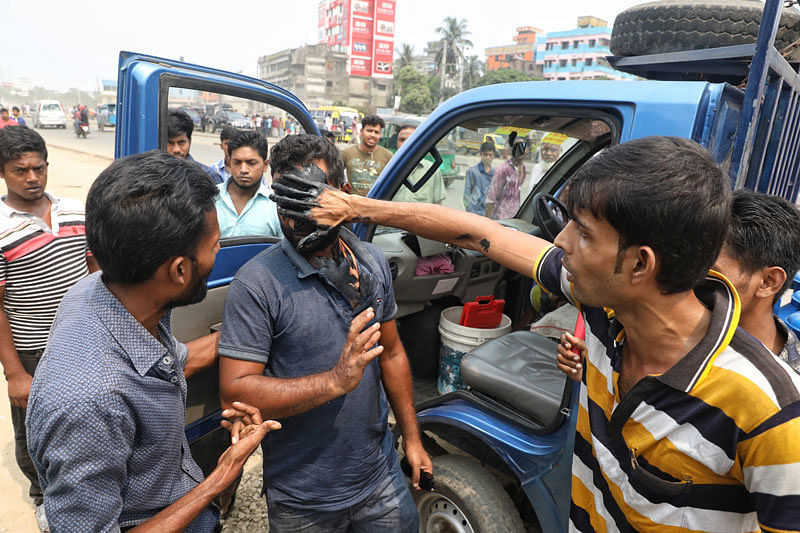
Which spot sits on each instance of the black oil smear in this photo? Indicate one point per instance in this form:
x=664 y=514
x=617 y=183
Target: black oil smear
x=463 y=237
x=485 y=244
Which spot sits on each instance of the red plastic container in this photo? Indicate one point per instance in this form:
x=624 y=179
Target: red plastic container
x=484 y=312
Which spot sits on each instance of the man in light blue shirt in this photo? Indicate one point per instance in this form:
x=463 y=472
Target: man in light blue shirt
x=222 y=167
x=243 y=204
x=478 y=179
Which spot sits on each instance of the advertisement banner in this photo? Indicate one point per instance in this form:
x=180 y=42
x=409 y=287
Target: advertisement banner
x=384 y=10
x=384 y=17
x=363 y=8
x=382 y=58
x=360 y=66
x=362 y=48
x=362 y=30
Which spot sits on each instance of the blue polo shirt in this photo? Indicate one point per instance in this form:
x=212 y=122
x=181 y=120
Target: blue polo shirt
x=106 y=417
x=282 y=312
x=259 y=216
x=476 y=185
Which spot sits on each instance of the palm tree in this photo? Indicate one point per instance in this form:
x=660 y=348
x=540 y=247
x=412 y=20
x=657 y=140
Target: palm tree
x=406 y=56
x=473 y=70
x=454 y=39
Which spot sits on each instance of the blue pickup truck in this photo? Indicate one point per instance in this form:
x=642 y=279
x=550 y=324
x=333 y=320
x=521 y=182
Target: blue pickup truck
x=753 y=131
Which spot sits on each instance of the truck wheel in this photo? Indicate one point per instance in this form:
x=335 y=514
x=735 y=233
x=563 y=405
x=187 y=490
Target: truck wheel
x=680 y=25
x=210 y=126
x=467 y=499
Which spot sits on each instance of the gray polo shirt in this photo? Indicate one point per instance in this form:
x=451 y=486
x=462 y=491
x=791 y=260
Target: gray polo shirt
x=106 y=417
x=284 y=313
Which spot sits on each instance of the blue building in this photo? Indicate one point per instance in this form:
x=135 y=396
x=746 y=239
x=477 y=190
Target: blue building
x=578 y=54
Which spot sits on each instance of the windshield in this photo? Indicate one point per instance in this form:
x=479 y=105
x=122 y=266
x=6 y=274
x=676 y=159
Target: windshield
x=193 y=114
x=348 y=117
x=51 y=107
x=233 y=115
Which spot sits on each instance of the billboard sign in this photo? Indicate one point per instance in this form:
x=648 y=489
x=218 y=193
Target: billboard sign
x=384 y=17
x=382 y=58
x=360 y=66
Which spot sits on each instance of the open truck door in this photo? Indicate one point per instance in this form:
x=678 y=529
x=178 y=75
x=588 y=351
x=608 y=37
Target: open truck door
x=147 y=88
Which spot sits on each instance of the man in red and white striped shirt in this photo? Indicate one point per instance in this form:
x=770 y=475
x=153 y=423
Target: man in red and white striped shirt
x=42 y=254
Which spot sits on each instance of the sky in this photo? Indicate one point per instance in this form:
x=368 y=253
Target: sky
x=61 y=45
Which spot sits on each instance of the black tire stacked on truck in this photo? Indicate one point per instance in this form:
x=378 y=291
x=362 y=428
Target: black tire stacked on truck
x=681 y=25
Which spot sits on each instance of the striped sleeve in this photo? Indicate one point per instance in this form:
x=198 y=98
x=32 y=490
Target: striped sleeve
x=3 y=270
x=550 y=275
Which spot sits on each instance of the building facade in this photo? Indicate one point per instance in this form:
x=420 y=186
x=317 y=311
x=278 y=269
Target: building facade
x=362 y=29
x=579 y=54
x=518 y=56
x=317 y=74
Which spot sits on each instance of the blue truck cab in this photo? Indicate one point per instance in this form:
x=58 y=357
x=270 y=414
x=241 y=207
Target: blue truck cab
x=752 y=131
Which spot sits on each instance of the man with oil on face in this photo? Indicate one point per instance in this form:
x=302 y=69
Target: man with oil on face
x=300 y=340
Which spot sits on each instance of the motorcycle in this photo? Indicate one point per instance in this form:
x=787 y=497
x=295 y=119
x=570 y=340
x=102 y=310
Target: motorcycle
x=81 y=129
x=502 y=450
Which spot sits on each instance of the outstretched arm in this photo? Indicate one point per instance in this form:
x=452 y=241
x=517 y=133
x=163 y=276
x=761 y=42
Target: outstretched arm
x=325 y=207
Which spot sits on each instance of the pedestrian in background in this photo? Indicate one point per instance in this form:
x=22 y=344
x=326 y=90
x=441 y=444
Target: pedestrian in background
x=16 y=114
x=5 y=119
x=43 y=253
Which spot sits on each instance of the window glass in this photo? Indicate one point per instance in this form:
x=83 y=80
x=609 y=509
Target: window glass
x=469 y=180
x=210 y=114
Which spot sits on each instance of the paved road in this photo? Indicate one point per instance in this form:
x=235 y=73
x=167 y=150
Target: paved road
x=205 y=147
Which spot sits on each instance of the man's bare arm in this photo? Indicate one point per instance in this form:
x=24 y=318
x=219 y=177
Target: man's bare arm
x=279 y=397
x=19 y=381
x=326 y=207
x=396 y=378
x=202 y=353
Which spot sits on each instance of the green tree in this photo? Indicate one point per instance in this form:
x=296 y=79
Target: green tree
x=408 y=76
x=451 y=53
x=505 y=75
x=473 y=70
x=416 y=100
x=406 y=56
x=434 y=84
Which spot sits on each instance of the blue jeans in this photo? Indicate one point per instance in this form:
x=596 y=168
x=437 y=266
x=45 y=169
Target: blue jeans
x=389 y=508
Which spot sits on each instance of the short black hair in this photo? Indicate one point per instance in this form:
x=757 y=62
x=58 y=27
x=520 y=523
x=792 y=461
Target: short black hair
x=16 y=141
x=764 y=232
x=373 y=120
x=3 y=109
x=143 y=210
x=15 y=108
x=295 y=151
x=179 y=122
x=406 y=126
x=487 y=146
x=253 y=139
x=664 y=192
x=227 y=133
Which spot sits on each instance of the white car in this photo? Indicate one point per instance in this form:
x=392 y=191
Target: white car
x=48 y=113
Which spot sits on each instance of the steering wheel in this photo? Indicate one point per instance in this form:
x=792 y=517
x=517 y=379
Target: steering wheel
x=550 y=215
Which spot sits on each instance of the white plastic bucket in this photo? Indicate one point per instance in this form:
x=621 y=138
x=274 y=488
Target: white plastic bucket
x=458 y=340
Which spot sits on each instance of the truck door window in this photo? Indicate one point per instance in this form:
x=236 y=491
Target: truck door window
x=212 y=115
x=211 y=112
x=478 y=169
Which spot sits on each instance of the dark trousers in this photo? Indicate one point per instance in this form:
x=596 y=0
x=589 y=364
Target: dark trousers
x=29 y=360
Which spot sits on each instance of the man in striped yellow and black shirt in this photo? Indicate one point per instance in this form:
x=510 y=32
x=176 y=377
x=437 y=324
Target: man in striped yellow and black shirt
x=686 y=422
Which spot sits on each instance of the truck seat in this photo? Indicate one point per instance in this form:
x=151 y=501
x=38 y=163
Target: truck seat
x=519 y=369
